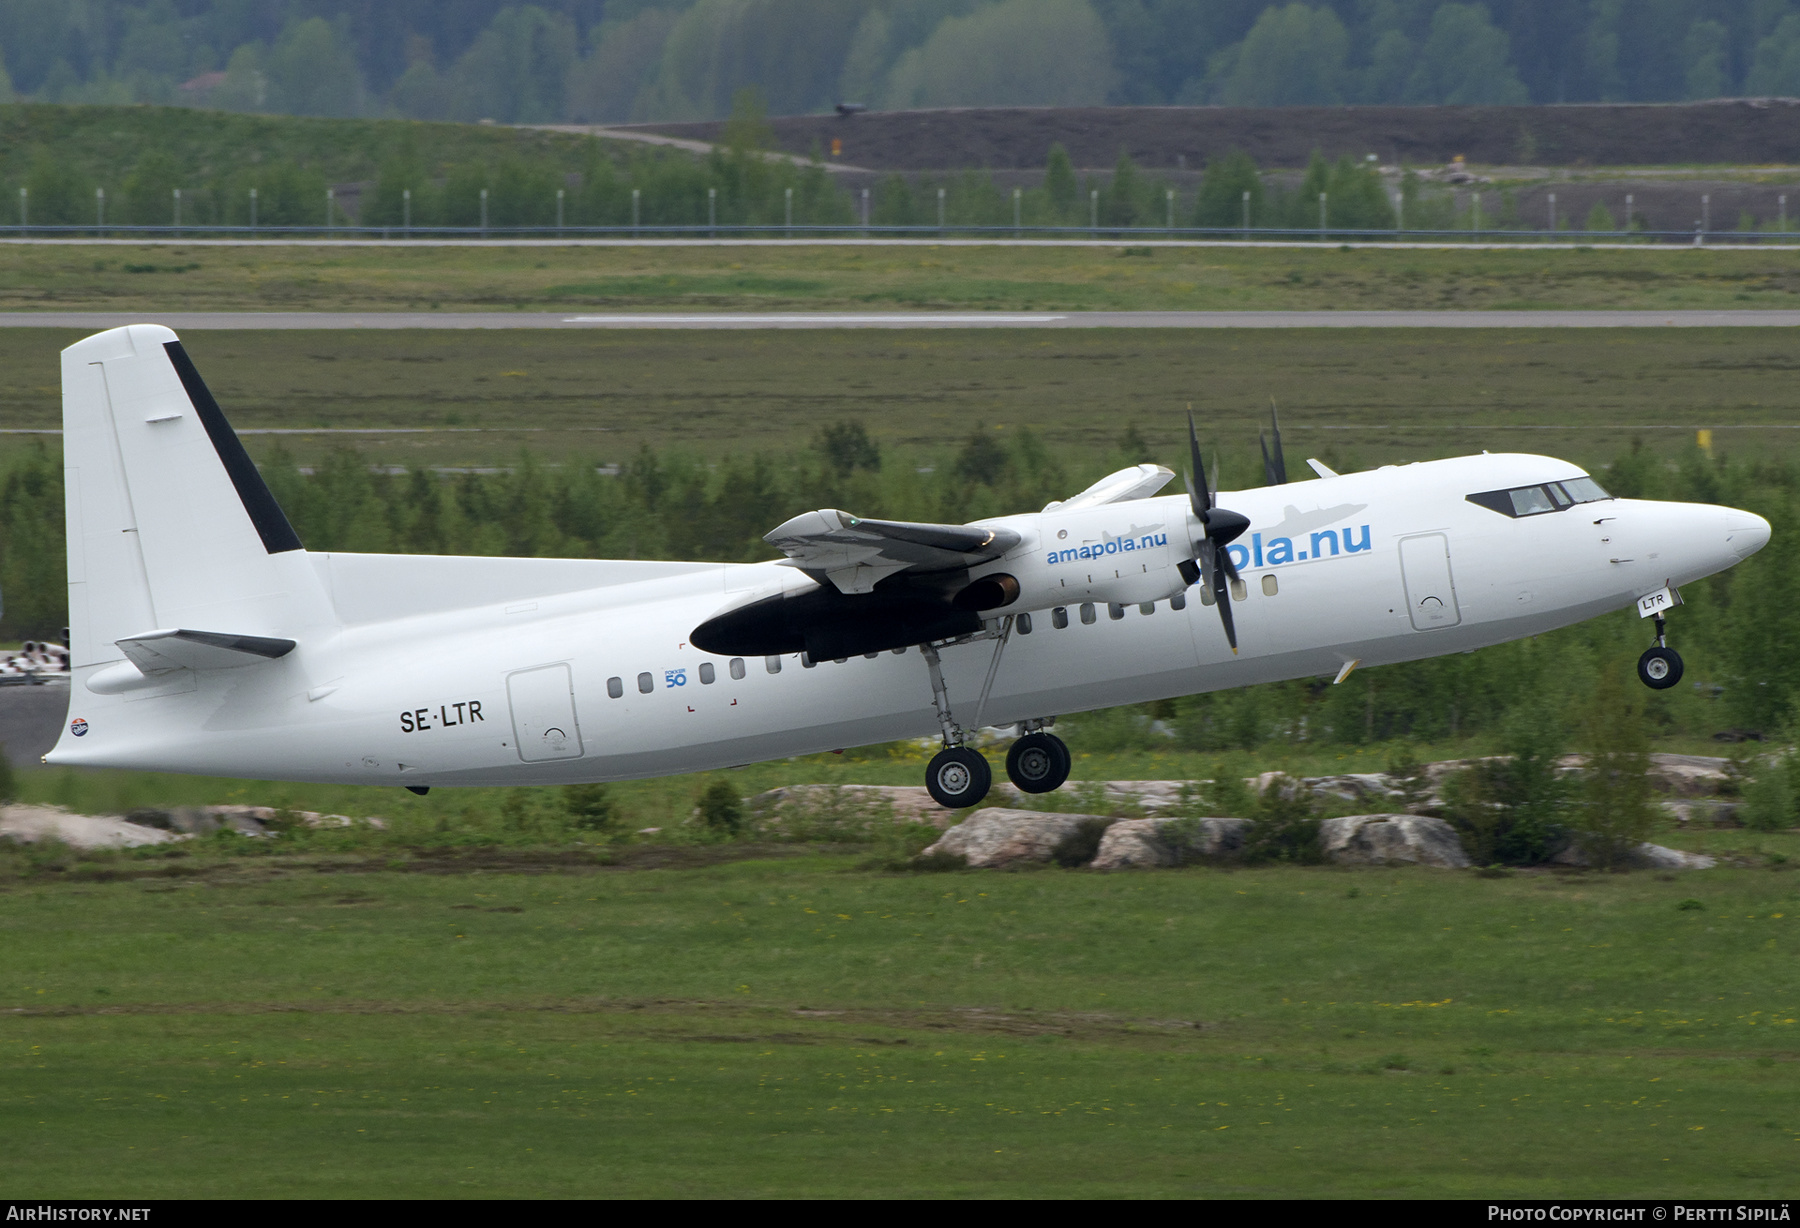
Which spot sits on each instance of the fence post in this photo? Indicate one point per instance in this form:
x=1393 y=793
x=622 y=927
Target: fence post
x=1475 y=214
x=1628 y=201
x=712 y=212
x=24 y=209
x=1170 y=196
x=1399 y=212
x=865 y=205
x=1705 y=212
x=253 y=210
x=1321 y=215
x=1782 y=202
x=329 y=197
x=636 y=209
x=484 y=228
x=1018 y=211
x=406 y=212
x=178 y=210
x=559 y=208
x=1094 y=209
x=1246 y=214
x=940 y=211
x=99 y=211
x=1553 y=213
x=788 y=206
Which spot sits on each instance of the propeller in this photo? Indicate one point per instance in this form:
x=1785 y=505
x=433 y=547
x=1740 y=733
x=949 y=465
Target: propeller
x=1274 y=466
x=1220 y=526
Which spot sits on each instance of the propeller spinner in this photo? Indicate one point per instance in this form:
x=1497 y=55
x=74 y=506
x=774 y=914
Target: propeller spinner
x=1219 y=527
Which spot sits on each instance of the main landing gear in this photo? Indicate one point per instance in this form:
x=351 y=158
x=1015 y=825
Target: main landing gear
x=1660 y=666
x=958 y=776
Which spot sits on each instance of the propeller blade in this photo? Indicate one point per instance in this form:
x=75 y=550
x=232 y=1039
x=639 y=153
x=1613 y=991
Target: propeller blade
x=1223 y=595
x=1274 y=464
x=1201 y=499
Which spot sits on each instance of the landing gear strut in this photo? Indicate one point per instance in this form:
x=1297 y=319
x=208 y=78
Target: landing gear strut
x=957 y=777
x=1660 y=666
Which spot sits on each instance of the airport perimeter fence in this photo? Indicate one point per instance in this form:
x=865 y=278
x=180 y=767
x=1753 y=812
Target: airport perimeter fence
x=1110 y=234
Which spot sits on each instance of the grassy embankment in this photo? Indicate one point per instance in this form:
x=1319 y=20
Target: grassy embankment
x=303 y=278
x=1353 y=397
x=803 y=1027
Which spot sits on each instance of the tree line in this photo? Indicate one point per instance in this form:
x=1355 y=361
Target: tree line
x=617 y=60
x=1739 y=632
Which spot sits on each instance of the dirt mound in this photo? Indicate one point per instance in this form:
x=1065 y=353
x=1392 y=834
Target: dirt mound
x=1735 y=132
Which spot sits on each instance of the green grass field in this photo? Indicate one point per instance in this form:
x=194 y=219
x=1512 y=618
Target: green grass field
x=801 y=1026
x=1353 y=397
x=349 y=278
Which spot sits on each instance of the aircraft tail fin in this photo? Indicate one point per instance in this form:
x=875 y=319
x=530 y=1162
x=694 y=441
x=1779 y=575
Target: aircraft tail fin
x=169 y=523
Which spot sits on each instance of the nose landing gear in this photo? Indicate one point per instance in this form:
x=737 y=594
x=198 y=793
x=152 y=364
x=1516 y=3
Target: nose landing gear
x=1660 y=666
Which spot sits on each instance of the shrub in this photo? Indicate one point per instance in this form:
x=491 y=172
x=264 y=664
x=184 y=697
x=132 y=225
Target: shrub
x=589 y=807
x=1770 y=800
x=1408 y=776
x=1286 y=828
x=1514 y=809
x=1615 y=809
x=721 y=809
x=1079 y=846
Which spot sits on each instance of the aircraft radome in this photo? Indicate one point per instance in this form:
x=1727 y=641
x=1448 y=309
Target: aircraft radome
x=205 y=638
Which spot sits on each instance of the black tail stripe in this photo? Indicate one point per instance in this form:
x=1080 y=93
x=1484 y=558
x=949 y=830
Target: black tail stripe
x=272 y=525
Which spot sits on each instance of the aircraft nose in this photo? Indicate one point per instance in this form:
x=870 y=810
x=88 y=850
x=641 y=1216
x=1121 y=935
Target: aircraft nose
x=1745 y=532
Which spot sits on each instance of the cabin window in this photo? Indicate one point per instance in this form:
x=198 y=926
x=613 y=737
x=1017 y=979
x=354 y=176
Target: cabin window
x=646 y=683
x=1178 y=601
x=706 y=673
x=615 y=687
x=806 y=661
x=1087 y=614
x=1115 y=611
x=1206 y=595
x=1059 y=617
x=1239 y=590
x=737 y=668
x=772 y=664
x=1024 y=624
x=1269 y=585
x=1537 y=500
x=1147 y=607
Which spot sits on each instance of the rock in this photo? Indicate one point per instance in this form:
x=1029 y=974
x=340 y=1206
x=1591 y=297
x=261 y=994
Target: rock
x=1644 y=857
x=1141 y=843
x=1709 y=812
x=994 y=837
x=1146 y=797
x=1390 y=839
x=907 y=803
x=30 y=824
x=1688 y=775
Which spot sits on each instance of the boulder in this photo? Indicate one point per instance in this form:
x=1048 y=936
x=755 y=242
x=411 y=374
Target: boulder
x=1688 y=775
x=907 y=803
x=1148 y=797
x=1644 y=857
x=1142 y=843
x=30 y=824
x=994 y=837
x=1391 y=839
x=1703 y=812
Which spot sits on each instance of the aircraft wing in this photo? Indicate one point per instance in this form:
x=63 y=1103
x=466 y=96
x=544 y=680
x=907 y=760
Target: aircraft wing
x=854 y=554
x=1137 y=482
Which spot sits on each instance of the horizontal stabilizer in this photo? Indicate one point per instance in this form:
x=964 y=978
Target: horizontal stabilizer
x=162 y=652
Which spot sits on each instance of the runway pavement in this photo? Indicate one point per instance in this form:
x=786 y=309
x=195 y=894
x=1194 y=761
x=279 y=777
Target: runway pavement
x=209 y=320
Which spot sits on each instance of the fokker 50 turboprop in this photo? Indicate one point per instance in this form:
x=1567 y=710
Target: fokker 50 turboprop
x=205 y=638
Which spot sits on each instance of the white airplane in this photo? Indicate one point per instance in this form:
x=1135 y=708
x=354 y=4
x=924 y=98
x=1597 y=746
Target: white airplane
x=205 y=638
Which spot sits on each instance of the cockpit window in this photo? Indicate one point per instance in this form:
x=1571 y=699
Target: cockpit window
x=1536 y=500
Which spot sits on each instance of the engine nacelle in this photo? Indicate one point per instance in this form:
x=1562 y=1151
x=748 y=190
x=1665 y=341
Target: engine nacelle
x=1124 y=553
